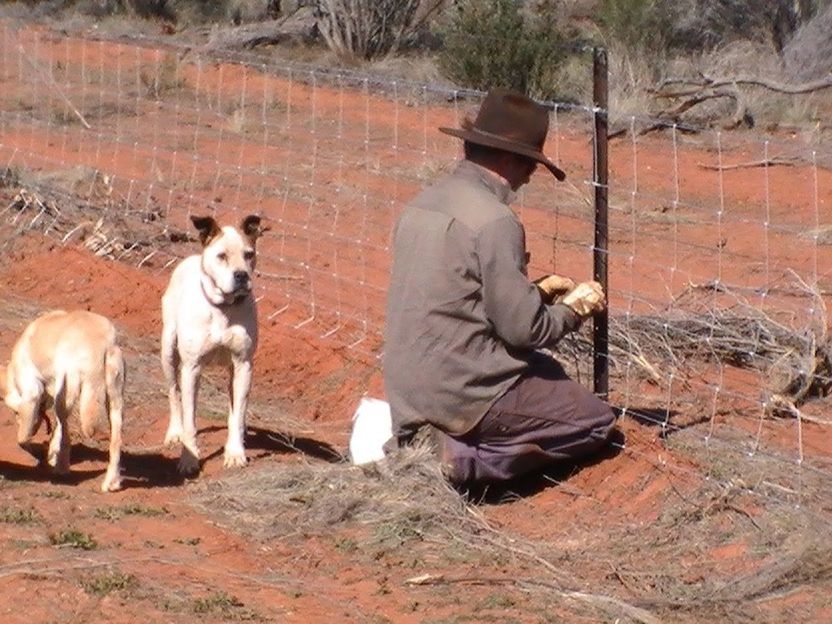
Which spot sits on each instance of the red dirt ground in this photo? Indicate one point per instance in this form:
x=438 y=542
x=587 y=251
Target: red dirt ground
x=329 y=167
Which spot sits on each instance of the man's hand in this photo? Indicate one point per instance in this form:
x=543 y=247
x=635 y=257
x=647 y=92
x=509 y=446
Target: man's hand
x=552 y=286
x=586 y=299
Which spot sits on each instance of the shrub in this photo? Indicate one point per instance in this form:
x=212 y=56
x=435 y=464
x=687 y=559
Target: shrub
x=107 y=583
x=73 y=538
x=808 y=55
x=706 y=24
x=491 y=43
x=369 y=29
x=11 y=515
x=634 y=24
x=220 y=604
x=142 y=8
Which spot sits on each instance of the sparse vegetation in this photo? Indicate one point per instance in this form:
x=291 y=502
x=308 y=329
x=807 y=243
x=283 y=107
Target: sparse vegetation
x=188 y=541
x=108 y=582
x=184 y=12
x=536 y=46
x=346 y=544
x=72 y=538
x=700 y=25
x=9 y=177
x=55 y=494
x=163 y=78
x=633 y=24
x=14 y=515
x=135 y=509
x=226 y=606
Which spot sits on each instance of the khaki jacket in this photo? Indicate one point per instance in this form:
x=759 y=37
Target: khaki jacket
x=462 y=317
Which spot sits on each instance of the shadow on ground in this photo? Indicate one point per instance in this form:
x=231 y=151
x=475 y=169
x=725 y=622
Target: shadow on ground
x=269 y=443
x=155 y=467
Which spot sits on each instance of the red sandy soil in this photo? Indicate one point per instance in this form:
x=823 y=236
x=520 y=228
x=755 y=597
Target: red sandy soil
x=330 y=185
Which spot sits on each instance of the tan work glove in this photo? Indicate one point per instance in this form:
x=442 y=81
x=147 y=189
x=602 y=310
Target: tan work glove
x=552 y=286
x=586 y=299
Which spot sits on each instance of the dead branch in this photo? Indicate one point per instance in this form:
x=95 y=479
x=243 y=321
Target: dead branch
x=711 y=83
x=298 y=27
x=606 y=603
x=660 y=125
x=769 y=162
x=698 y=98
x=695 y=91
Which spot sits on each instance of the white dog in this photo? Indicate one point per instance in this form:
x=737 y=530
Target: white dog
x=60 y=359
x=209 y=317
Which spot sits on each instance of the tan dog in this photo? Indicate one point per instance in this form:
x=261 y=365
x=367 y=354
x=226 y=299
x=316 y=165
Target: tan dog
x=209 y=317
x=60 y=359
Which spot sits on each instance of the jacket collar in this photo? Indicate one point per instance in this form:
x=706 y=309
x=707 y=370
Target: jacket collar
x=495 y=183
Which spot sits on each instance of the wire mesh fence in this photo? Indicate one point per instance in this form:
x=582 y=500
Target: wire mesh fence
x=719 y=242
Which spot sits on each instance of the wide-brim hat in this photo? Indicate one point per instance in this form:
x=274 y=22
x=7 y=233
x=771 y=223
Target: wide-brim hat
x=510 y=121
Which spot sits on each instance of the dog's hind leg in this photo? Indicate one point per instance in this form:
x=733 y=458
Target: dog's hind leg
x=29 y=410
x=171 y=364
x=92 y=402
x=58 y=453
x=115 y=373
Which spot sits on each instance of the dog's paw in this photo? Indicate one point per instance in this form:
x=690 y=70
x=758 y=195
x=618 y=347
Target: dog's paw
x=111 y=484
x=188 y=463
x=173 y=436
x=234 y=458
x=59 y=463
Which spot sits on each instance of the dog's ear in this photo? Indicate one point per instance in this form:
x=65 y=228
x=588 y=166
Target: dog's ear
x=208 y=228
x=3 y=381
x=252 y=228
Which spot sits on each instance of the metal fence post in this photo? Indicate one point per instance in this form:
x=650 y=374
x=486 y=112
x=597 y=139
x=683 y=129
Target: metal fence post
x=600 y=327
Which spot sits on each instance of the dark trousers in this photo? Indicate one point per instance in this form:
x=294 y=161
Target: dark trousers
x=544 y=417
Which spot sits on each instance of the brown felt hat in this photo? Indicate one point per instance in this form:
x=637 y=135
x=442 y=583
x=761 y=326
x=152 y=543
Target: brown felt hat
x=512 y=122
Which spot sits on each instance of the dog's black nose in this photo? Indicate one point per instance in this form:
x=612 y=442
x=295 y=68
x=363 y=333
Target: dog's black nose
x=240 y=278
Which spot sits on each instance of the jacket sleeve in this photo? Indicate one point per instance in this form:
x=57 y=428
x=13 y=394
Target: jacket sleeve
x=512 y=303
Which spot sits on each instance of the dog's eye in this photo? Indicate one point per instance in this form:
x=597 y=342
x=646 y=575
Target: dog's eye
x=222 y=256
x=248 y=255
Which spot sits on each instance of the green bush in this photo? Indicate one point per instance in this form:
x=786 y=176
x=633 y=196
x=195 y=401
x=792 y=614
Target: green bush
x=492 y=43
x=73 y=538
x=635 y=24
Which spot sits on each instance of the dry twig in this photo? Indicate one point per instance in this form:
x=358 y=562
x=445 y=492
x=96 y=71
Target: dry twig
x=730 y=331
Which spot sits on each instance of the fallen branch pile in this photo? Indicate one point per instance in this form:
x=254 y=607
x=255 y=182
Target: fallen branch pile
x=687 y=93
x=713 y=324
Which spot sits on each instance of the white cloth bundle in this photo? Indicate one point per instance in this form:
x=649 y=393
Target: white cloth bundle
x=371 y=428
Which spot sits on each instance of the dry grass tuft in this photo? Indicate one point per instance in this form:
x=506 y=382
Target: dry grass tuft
x=404 y=501
x=405 y=492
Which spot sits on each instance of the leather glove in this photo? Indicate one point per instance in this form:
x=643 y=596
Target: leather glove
x=586 y=299
x=552 y=286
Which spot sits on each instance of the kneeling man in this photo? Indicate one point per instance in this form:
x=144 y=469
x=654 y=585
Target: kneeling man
x=465 y=325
